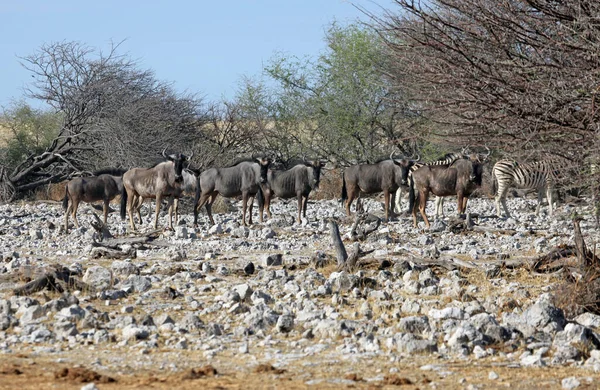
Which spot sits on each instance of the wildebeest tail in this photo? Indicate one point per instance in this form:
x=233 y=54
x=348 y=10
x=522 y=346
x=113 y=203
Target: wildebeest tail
x=344 y=190
x=123 y=202
x=65 y=202
x=412 y=196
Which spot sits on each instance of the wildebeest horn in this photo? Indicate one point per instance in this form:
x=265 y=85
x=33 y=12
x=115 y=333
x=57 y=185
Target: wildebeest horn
x=418 y=157
x=488 y=153
x=163 y=153
x=392 y=155
x=190 y=156
x=465 y=150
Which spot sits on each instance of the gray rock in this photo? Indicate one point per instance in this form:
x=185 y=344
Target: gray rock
x=134 y=332
x=249 y=268
x=98 y=277
x=586 y=319
x=272 y=260
x=285 y=323
x=412 y=344
x=72 y=313
x=447 y=313
x=570 y=383
x=64 y=329
x=89 y=386
x=137 y=283
x=162 y=319
x=216 y=229
x=6 y=321
x=31 y=314
x=190 y=322
x=259 y=296
x=240 y=232
x=124 y=268
x=414 y=324
x=244 y=291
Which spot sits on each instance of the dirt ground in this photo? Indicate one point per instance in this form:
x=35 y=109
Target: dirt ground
x=26 y=371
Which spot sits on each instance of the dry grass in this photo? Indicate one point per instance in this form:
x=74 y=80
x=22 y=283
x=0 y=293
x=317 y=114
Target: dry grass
x=330 y=186
x=575 y=297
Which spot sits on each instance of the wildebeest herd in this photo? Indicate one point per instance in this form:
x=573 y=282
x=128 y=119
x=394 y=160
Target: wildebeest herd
x=458 y=174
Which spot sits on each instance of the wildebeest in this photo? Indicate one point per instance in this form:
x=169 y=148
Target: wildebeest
x=105 y=186
x=242 y=178
x=188 y=187
x=160 y=181
x=386 y=175
x=537 y=175
x=460 y=179
x=297 y=181
x=446 y=160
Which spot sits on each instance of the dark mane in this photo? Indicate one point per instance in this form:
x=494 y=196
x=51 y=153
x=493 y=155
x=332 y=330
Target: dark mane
x=110 y=171
x=241 y=160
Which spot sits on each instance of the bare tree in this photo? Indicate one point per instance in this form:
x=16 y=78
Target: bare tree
x=112 y=112
x=518 y=75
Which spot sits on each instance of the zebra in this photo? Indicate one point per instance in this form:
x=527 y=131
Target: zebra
x=448 y=159
x=537 y=175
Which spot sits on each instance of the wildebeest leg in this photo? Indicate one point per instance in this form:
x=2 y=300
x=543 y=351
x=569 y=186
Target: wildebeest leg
x=131 y=204
x=386 y=197
x=244 y=205
x=105 y=209
x=298 y=218
x=351 y=196
x=204 y=201
x=74 y=207
x=305 y=205
x=459 y=202
x=250 y=205
x=67 y=218
x=422 y=205
x=464 y=207
x=170 y=207
x=268 y=204
x=158 y=204
x=211 y=200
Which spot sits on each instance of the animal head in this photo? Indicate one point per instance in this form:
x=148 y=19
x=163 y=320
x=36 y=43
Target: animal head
x=405 y=165
x=476 y=174
x=178 y=160
x=316 y=165
x=264 y=163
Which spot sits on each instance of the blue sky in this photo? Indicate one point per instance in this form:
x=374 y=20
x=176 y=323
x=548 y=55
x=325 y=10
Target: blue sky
x=201 y=46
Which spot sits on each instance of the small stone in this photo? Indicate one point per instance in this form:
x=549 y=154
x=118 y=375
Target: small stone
x=272 y=260
x=493 y=376
x=570 y=383
x=249 y=268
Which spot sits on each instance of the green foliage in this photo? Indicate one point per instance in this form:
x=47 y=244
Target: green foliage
x=31 y=132
x=342 y=100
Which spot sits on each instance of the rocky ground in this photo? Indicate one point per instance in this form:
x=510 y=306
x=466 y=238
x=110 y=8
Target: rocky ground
x=235 y=307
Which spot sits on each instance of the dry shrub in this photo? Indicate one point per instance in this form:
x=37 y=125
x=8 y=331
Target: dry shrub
x=54 y=191
x=330 y=186
x=579 y=296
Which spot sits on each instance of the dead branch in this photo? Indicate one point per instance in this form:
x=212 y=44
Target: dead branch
x=101 y=228
x=358 y=233
x=52 y=281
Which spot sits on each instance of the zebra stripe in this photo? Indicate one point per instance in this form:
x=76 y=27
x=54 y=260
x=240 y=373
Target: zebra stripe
x=537 y=175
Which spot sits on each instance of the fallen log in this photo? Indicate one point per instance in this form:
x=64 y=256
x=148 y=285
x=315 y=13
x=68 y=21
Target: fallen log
x=51 y=280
